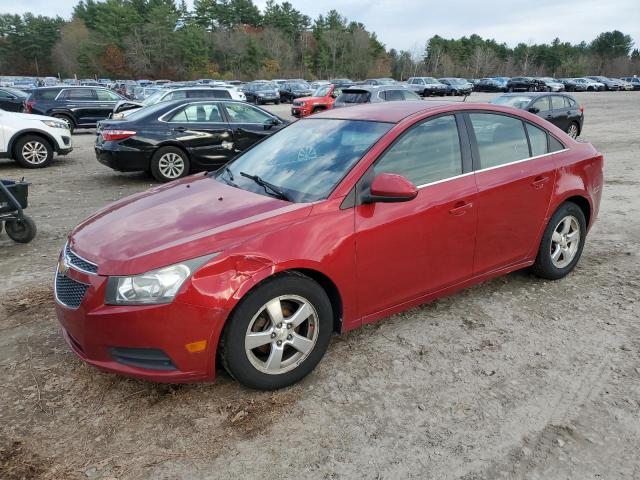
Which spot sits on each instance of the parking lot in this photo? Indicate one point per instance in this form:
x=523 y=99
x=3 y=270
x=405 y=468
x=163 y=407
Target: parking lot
x=515 y=378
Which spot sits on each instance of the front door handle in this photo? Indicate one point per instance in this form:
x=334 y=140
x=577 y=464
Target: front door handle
x=460 y=208
x=539 y=182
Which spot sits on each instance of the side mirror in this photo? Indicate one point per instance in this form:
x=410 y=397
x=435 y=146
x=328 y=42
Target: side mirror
x=534 y=109
x=271 y=122
x=390 y=188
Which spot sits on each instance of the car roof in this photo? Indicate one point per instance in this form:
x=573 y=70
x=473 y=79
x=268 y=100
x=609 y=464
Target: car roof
x=533 y=94
x=392 y=112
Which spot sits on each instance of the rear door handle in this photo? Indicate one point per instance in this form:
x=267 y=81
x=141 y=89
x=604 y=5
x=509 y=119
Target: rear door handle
x=460 y=208
x=539 y=182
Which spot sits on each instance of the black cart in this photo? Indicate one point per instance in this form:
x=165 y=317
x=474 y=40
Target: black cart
x=13 y=200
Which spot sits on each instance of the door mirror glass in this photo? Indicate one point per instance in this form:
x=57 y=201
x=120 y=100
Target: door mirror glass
x=390 y=188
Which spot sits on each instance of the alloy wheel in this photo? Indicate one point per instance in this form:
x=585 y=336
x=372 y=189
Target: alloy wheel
x=565 y=241
x=572 y=131
x=35 y=152
x=282 y=334
x=171 y=165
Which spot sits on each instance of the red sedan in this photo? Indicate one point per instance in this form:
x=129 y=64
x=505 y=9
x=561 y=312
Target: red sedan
x=337 y=220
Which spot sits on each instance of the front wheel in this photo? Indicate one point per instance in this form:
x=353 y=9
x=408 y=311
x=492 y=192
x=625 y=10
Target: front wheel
x=278 y=333
x=169 y=163
x=21 y=230
x=562 y=242
x=33 y=151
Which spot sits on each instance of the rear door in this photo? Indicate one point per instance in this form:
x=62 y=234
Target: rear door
x=560 y=111
x=515 y=182
x=107 y=101
x=202 y=130
x=543 y=105
x=248 y=124
x=83 y=102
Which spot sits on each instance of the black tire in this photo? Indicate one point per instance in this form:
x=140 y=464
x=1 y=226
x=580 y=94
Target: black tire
x=67 y=119
x=277 y=102
x=159 y=168
x=544 y=266
x=21 y=230
x=232 y=344
x=33 y=151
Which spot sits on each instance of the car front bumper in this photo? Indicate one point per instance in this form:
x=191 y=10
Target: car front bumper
x=300 y=111
x=129 y=340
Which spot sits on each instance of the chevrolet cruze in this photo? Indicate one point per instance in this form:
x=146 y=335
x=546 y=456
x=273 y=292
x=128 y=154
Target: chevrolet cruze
x=335 y=221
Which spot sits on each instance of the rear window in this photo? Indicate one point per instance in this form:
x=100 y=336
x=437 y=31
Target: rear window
x=217 y=93
x=45 y=94
x=354 y=97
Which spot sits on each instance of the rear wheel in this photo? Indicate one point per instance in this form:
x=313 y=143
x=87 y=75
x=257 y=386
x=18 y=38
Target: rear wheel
x=573 y=130
x=33 y=151
x=562 y=242
x=169 y=163
x=21 y=230
x=278 y=333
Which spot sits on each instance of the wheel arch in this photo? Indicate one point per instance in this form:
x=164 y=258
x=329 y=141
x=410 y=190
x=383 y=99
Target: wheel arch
x=22 y=133
x=584 y=205
x=171 y=143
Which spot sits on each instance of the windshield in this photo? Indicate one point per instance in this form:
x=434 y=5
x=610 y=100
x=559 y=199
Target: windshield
x=430 y=80
x=307 y=159
x=154 y=97
x=322 y=91
x=17 y=93
x=264 y=86
x=517 y=101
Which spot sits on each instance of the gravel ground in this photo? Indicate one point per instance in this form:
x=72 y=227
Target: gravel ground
x=514 y=378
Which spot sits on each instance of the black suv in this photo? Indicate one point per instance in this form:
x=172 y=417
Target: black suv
x=80 y=107
x=526 y=84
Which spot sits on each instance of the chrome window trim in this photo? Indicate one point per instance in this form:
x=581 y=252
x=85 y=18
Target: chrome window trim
x=490 y=168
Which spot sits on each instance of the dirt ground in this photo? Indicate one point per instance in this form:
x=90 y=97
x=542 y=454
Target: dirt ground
x=515 y=378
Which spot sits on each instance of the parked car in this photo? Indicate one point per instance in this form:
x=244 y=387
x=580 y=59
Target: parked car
x=80 y=107
x=589 y=84
x=322 y=99
x=427 y=86
x=342 y=82
x=526 y=84
x=635 y=81
x=457 y=86
x=609 y=84
x=373 y=94
x=289 y=91
x=624 y=85
x=489 y=85
x=379 y=81
x=33 y=140
x=172 y=139
x=552 y=84
x=126 y=107
x=12 y=99
x=560 y=109
x=261 y=93
x=571 y=85
x=328 y=224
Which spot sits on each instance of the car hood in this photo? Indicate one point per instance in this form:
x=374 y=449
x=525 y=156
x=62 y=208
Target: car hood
x=188 y=218
x=309 y=99
x=30 y=116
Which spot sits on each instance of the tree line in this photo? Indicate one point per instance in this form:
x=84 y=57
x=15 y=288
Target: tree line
x=234 y=39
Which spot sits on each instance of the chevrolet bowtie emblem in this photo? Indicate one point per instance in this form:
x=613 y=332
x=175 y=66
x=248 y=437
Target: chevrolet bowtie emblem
x=63 y=268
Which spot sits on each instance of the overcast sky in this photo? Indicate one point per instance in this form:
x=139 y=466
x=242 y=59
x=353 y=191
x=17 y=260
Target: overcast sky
x=407 y=24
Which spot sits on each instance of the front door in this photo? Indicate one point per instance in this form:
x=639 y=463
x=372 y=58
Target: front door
x=405 y=250
x=248 y=124
x=514 y=189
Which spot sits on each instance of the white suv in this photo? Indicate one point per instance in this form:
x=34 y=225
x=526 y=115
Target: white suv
x=32 y=140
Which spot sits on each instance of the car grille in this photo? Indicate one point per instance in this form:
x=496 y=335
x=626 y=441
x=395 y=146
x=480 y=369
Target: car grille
x=69 y=292
x=79 y=262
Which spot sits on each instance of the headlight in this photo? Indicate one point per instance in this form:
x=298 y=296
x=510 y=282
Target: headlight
x=154 y=287
x=55 y=124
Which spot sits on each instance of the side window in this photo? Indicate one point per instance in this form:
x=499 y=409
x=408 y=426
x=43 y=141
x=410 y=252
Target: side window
x=557 y=102
x=542 y=104
x=501 y=139
x=409 y=95
x=537 y=139
x=198 y=113
x=428 y=152
x=243 y=113
x=107 y=96
x=382 y=95
x=394 y=95
x=4 y=94
x=178 y=95
x=82 y=94
x=555 y=145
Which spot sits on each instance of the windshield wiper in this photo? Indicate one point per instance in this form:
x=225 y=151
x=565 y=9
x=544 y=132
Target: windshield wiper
x=266 y=185
x=228 y=181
